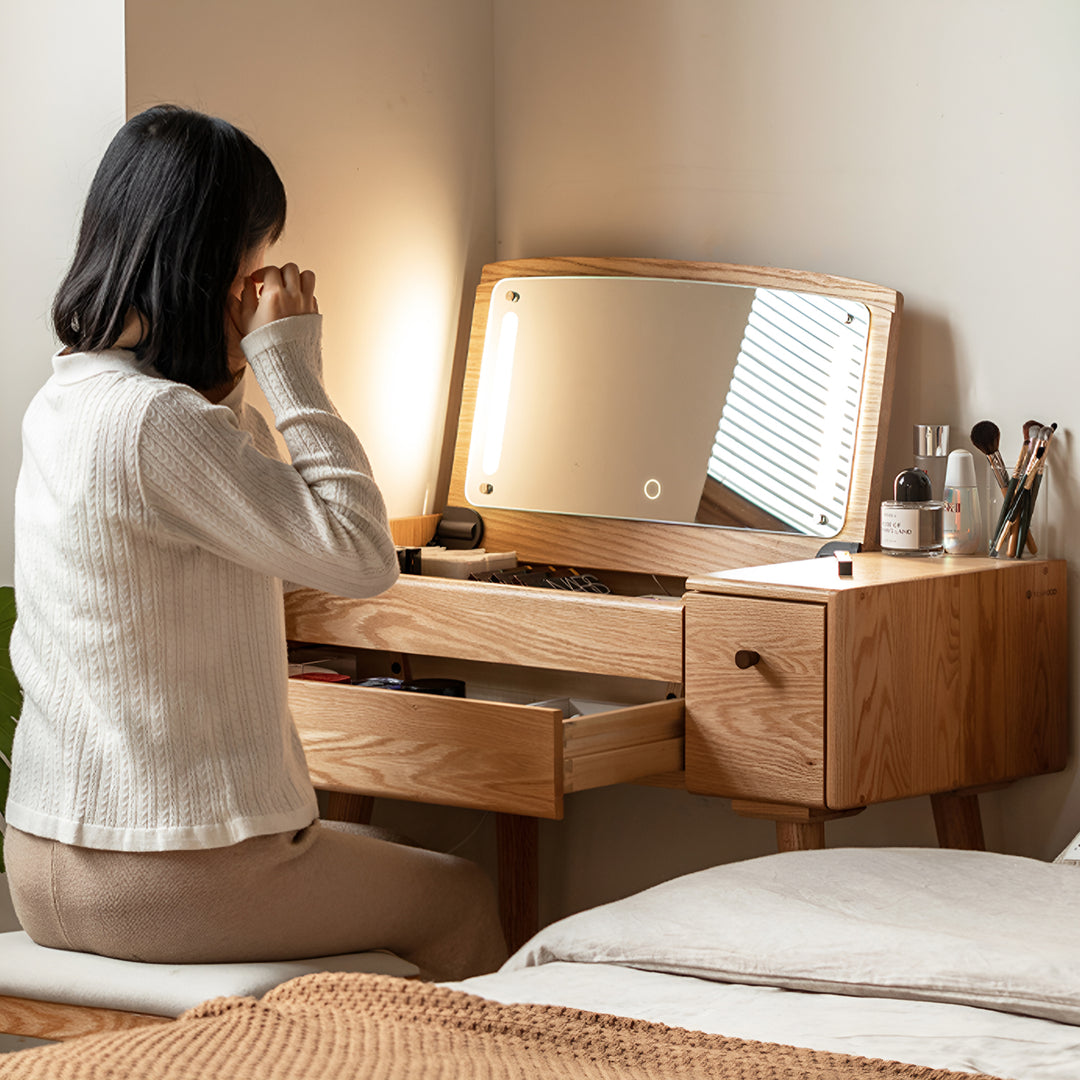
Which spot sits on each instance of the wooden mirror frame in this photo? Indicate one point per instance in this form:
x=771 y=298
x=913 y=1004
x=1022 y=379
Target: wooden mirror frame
x=676 y=549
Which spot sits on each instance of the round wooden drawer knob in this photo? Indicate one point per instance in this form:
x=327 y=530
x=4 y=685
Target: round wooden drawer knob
x=745 y=658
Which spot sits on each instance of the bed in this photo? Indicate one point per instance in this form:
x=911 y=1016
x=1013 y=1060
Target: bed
x=924 y=964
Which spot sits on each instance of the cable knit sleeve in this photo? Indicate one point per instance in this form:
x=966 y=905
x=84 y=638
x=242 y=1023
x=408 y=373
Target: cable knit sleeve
x=319 y=521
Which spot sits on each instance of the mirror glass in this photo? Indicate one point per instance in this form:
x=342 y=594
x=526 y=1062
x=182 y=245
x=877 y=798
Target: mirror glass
x=667 y=400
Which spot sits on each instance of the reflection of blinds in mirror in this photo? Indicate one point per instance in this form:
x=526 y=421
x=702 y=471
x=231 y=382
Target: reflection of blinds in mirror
x=786 y=438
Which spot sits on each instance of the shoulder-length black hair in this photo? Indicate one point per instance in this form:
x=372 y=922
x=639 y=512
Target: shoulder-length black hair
x=177 y=202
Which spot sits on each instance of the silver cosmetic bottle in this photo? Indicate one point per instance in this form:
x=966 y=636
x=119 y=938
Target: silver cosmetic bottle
x=931 y=446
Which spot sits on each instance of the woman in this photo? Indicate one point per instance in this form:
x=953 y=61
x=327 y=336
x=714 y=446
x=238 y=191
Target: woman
x=160 y=807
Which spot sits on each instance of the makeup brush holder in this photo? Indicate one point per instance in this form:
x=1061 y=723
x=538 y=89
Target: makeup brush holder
x=1038 y=529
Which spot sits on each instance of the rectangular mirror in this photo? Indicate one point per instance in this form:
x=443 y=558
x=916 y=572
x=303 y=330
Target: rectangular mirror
x=670 y=417
x=584 y=380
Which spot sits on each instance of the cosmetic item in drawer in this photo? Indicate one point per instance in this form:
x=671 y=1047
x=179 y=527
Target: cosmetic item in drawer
x=518 y=759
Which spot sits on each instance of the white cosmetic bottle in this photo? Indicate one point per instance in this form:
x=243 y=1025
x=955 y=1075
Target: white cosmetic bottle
x=963 y=515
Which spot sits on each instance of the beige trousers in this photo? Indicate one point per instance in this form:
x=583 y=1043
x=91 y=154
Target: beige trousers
x=315 y=892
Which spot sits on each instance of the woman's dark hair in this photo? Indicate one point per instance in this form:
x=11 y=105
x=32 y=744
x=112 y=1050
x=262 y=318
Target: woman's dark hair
x=177 y=202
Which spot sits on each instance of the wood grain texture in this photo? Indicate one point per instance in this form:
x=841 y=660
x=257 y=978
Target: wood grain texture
x=632 y=726
x=800 y=836
x=942 y=674
x=488 y=755
x=622 y=764
x=346 y=806
x=54 y=1020
x=414 y=531
x=817 y=579
x=624 y=744
x=427 y=748
x=756 y=733
x=958 y=821
x=946 y=681
x=549 y=628
x=655 y=548
x=797 y=815
x=517 y=846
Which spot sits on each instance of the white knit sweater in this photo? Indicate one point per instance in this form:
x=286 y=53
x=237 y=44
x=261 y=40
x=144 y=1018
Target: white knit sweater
x=153 y=531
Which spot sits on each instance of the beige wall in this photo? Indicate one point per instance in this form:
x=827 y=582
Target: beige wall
x=929 y=146
x=378 y=117
x=62 y=84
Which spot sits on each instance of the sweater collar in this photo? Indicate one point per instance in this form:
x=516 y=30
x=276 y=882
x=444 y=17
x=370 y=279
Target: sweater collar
x=76 y=366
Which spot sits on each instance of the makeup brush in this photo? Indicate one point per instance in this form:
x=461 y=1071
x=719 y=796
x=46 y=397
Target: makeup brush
x=1011 y=492
x=1007 y=496
x=1020 y=514
x=985 y=437
x=1020 y=510
x=1025 y=522
x=1042 y=464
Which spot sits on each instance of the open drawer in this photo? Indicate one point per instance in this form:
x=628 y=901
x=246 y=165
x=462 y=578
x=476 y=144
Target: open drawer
x=518 y=759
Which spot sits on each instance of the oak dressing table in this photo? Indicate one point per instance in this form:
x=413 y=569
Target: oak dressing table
x=913 y=677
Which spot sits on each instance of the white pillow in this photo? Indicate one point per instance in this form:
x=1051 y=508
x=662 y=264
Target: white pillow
x=968 y=927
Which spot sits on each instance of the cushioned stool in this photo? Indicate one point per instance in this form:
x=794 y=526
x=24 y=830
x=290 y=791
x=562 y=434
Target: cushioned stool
x=53 y=994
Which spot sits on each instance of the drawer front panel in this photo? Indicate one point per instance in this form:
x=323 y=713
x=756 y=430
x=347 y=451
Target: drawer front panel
x=517 y=759
x=502 y=624
x=756 y=733
x=427 y=748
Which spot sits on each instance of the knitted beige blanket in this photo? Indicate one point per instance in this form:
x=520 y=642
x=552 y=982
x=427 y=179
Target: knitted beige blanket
x=344 y=1026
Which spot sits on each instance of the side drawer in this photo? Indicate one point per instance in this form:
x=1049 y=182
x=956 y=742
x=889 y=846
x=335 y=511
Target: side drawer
x=757 y=732
x=518 y=759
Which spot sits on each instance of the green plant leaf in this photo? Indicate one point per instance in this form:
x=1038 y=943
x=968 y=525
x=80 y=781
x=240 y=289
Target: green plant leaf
x=10 y=697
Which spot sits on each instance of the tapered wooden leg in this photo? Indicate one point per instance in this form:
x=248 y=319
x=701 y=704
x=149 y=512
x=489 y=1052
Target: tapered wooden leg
x=958 y=821
x=346 y=806
x=518 y=853
x=798 y=828
x=800 y=836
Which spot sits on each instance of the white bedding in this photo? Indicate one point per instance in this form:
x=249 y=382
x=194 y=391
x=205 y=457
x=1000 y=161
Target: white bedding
x=932 y=1034
x=949 y=959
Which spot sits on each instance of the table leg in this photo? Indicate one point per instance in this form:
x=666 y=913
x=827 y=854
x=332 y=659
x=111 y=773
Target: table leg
x=347 y=806
x=518 y=854
x=958 y=821
x=798 y=828
x=800 y=836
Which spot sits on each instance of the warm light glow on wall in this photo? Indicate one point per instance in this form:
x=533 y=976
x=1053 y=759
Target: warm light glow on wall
x=407 y=374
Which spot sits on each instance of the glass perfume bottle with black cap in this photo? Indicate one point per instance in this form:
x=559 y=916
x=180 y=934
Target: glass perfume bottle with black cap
x=913 y=522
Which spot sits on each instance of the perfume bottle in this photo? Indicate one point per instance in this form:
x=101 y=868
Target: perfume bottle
x=912 y=522
x=963 y=515
x=931 y=445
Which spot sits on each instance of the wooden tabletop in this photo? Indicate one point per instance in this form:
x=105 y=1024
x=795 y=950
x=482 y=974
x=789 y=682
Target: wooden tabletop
x=817 y=579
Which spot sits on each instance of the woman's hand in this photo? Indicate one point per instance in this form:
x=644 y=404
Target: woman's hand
x=273 y=293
